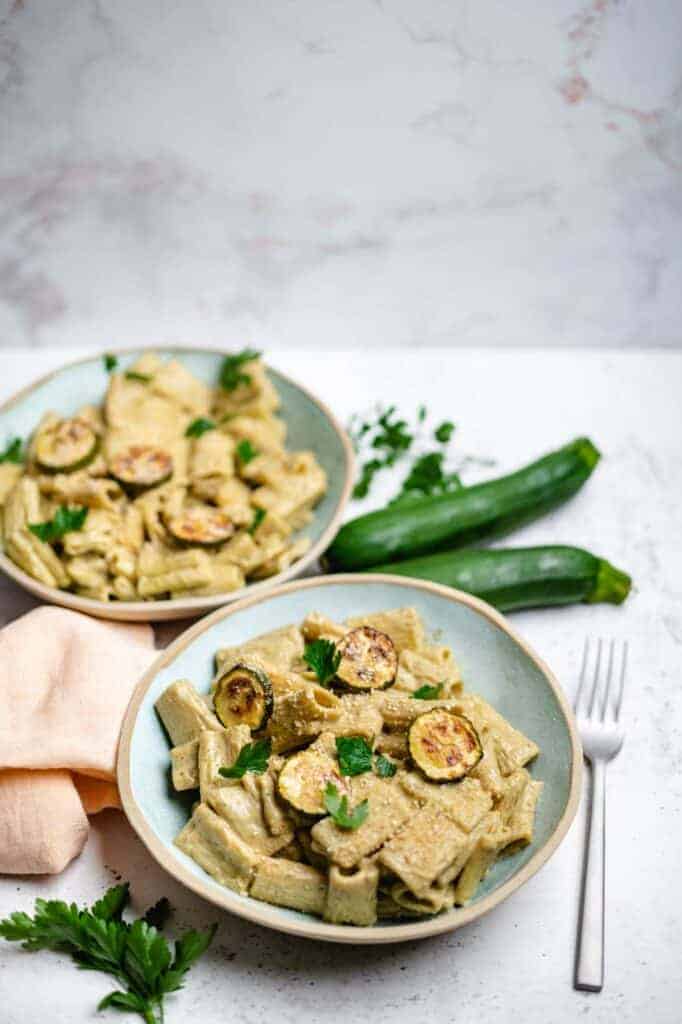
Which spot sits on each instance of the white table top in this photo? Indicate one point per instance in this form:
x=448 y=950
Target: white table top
x=517 y=962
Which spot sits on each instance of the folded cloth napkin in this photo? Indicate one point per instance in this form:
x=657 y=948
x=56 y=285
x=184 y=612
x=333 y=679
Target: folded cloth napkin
x=65 y=683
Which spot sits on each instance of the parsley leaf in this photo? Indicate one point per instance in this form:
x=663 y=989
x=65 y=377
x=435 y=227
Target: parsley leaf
x=258 y=517
x=427 y=692
x=421 y=413
x=232 y=373
x=384 y=767
x=199 y=426
x=323 y=658
x=64 y=521
x=444 y=431
x=367 y=474
x=391 y=438
x=98 y=939
x=246 y=452
x=338 y=808
x=252 y=758
x=427 y=477
x=110 y=362
x=12 y=452
x=143 y=378
x=355 y=755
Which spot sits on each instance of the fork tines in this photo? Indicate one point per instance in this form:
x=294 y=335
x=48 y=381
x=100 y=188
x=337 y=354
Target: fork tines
x=603 y=667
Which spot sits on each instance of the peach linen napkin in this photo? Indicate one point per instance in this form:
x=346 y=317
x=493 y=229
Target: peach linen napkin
x=65 y=683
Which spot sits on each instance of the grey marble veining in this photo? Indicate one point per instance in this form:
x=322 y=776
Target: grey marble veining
x=368 y=173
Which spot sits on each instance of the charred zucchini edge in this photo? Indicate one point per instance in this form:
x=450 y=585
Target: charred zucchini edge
x=364 y=657
x=467 y=758
x=261 y=698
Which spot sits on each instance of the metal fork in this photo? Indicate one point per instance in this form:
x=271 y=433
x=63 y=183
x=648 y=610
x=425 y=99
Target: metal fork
x=597 y=711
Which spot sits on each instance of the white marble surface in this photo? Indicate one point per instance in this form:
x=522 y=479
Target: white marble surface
x=341 y=172
x=515 y=964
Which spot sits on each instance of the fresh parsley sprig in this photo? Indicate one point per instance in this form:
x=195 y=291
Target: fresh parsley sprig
x=354 y=754
x=232 y=370
x=444 y=431
x=337 y=806
x=141 y=378
x=323 y=658
x=199 y=426
x=251 y=758
x=98 y=939
x=246 y=452
x=110 y=362
x=427 y=692
x=64 y=521
x=13 y=452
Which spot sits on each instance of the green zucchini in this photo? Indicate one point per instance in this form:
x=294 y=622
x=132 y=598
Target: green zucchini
x=455 y=520
x=68 y=446
x=243 y=696
x=368 y=659
x=512 y=578
x=444 y=745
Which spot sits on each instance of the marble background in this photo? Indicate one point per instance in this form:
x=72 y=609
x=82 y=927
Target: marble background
x=341 y=172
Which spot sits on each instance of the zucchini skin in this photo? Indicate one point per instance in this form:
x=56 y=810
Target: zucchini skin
x=514 y=578
x=487 y=509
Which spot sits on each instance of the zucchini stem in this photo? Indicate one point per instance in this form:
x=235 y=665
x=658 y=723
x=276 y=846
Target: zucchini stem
x=612 y=585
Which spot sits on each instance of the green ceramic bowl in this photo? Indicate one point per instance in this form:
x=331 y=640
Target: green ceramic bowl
x=310 y=425
x=494 y=661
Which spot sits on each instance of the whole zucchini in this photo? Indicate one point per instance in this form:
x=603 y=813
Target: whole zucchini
x=455 y=520
x=512 y=578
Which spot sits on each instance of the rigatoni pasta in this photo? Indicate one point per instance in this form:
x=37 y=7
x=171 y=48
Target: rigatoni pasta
x=173 y=489
x=343 y=771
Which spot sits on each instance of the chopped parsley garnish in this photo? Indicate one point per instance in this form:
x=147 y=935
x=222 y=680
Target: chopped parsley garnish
x=13 y=452
x=323 y=658
x=391 y=438
x=199 y=426
x=142 y=378
x=384 y=767
x=421 y=413
x=232 y=372
x=98 y=939
x=246 y=452
x=428 y=478
x=258 y=517
x=367 y=473
x=427 y=692
x=444 y=432
x=110 y=362
x=252 y=758
x=338 y=808
x=64 y=521
x=355 y=755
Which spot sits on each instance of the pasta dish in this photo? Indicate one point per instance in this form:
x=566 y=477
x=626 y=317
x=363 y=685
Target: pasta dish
x=169 y=489
x=343 y=771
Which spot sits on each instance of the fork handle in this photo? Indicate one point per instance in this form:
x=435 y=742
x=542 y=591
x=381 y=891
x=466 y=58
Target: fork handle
x=589 y=968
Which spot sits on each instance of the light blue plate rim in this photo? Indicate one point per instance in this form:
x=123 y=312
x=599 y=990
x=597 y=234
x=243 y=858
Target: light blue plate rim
x=273 y=917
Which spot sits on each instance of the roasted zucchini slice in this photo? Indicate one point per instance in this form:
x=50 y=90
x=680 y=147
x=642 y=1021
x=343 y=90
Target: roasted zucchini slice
x=243 y=696
x=444 y=745
x=66 y=447
x=141 y=467
x=369 y=660
x=303 y=779
x=208 y=527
